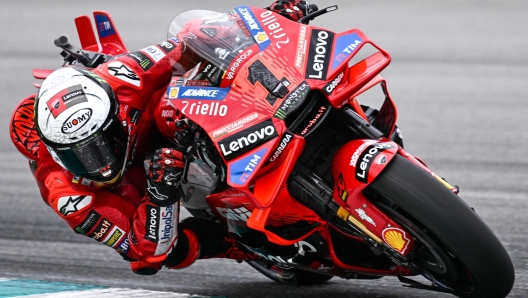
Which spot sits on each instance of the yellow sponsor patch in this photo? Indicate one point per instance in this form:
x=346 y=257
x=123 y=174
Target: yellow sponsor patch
x=396 y=239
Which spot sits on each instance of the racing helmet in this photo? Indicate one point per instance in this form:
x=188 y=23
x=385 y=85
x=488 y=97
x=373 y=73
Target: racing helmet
x=76 y=115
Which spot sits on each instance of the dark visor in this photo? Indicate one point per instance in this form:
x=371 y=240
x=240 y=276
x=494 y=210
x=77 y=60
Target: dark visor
x=100 y=158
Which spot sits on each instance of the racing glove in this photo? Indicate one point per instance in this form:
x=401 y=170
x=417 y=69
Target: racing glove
x=183 y=136
x=292 y=9
x=165 y=170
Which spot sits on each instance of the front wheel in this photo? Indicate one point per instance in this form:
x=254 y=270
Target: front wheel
x=454 y=248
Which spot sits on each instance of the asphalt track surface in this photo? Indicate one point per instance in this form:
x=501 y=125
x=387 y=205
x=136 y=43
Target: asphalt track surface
x=459 y=76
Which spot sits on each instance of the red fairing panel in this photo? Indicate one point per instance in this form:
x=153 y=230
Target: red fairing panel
x=356 y=165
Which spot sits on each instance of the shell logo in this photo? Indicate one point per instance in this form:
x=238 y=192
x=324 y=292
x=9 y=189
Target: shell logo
x=396 y=239
x=261 y=37
x=173 y=92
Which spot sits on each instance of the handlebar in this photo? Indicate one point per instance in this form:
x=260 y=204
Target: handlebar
x=72 y=54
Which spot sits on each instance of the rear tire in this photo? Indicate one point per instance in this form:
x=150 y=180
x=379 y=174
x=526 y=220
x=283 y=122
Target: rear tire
x=289 y=276
x=452 y=243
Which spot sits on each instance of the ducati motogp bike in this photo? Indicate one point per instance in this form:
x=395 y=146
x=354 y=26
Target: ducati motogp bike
x=298 y=171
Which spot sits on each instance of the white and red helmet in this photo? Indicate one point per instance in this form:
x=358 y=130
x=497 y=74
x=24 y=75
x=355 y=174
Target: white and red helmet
x=76 y=117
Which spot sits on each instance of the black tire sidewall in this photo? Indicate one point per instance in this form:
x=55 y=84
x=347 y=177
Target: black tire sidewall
x=452 y=221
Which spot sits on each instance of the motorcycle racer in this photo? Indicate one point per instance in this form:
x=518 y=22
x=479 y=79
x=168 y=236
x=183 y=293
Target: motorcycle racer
x=98 y=126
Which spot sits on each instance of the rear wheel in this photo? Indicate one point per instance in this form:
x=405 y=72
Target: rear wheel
x=288 y=275
x=453 y=246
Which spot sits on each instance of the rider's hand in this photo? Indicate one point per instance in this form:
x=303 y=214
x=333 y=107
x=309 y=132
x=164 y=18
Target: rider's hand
x=183 y=136
x=292 y=9
x=165 y=172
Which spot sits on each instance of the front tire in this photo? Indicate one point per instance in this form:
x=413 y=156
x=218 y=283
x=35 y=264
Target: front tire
x=453 y=244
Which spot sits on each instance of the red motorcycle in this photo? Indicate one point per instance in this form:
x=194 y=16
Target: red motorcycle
x=299 y=172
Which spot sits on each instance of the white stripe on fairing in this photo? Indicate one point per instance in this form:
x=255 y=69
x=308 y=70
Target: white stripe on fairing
x=112 y=293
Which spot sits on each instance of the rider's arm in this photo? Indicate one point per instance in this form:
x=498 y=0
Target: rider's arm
x=120 y=219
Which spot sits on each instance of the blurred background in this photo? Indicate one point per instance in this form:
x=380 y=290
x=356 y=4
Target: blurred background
x=459 y=76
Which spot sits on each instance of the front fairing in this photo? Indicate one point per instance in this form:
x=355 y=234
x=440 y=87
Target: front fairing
x=243 y=105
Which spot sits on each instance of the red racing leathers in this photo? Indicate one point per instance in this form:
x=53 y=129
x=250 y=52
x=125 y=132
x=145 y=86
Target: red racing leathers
x=119 y=214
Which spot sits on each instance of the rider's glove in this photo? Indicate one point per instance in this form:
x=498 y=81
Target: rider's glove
x=164 y=174
x=183 y=136
x=292 y=9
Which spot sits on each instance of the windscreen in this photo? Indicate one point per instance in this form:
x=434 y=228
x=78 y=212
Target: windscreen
x=209 y=36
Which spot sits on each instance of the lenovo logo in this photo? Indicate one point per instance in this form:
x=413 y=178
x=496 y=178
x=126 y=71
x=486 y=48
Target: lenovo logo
x=320 y=45
x=245 y=140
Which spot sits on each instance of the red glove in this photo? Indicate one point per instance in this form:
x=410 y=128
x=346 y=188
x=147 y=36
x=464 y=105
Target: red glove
x=292 y=9
x=165 y=162
x=165 y=172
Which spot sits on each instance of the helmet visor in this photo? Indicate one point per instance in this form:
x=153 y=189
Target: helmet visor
x=100 y=157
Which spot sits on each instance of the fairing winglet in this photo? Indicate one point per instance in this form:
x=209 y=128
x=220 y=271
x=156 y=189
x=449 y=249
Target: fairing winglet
x=107 y=31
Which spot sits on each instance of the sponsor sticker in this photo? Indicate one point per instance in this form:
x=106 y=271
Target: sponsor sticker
x=300 y=52
x=286 y=138
x=224 y=18
x=199 y=83
x=242 y=170
x=66 y=99
x=346 y=45
x=237 y=62
x=154 y=53
x=88 y=223
x=104 y=27
x=314 y=120
x=167 y=46
x=396 y=239
x=247 y=139
x=275 y=30
x=319 y=54
x=124 y=246
x=203 y=93
x=261 y=37
x=142 y=60
x=293 y=101
x=134 y=115
x=123 y=73
x=366 y=159
x=152 y=224
x=363 y=215
x=114 y=237
x=211 y=32
x=199 y=108
x=330 y=87
x=86 y=181
x=255 y=28
x=76 y=121
x=167 y=113
x=101 y=230
x=212 y=73
x=234 y=126
x=173 y=92
x=70 y=204
x=355 y=155
x=167 y=222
